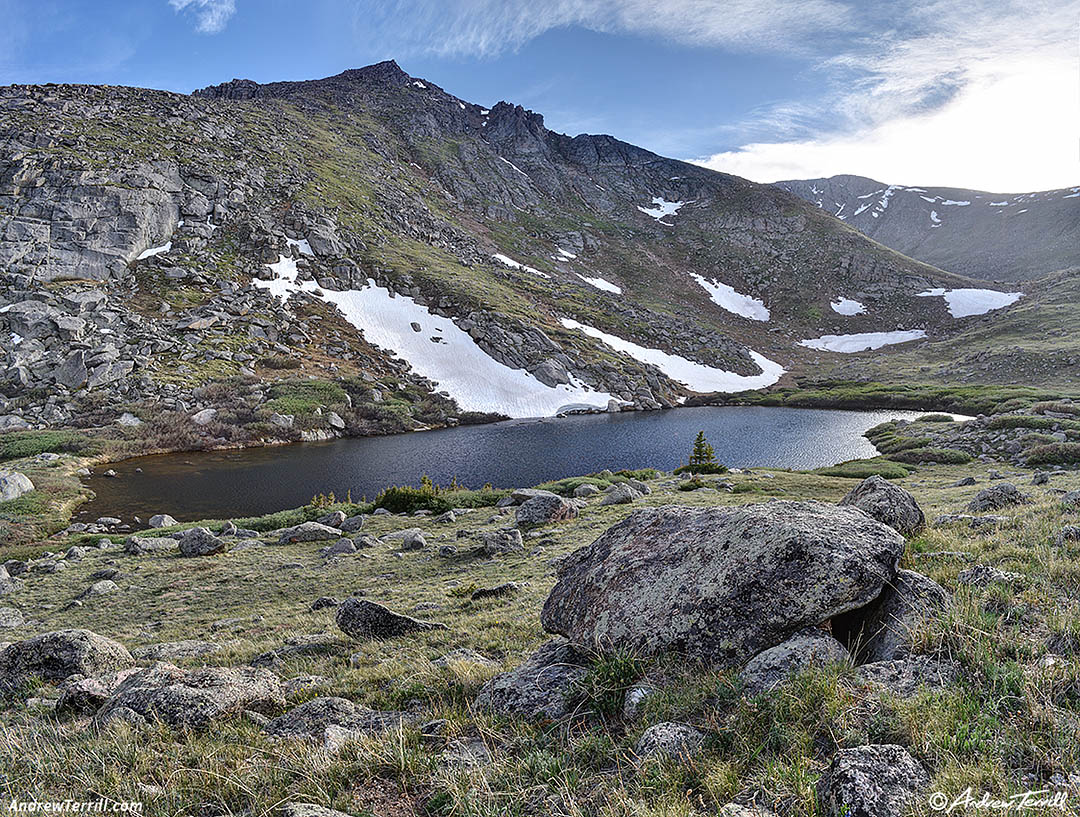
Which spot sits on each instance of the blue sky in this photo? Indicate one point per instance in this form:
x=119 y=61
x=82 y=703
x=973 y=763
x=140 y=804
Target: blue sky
x=976 y=93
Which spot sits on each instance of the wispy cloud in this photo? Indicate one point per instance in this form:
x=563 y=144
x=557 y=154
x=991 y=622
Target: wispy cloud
x=488 y=28
x=211 y=16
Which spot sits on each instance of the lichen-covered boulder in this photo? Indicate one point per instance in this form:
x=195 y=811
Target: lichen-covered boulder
x=721 y=584
x=362 y=619
x=195 y=699
x=996 y=497
x=881 y=500
x=311 y=720
x=905 y=676
x=58 y=655
x=675 y=741
x=200 y=542
x=871 y=781
x=810 y=647
x=538 y=688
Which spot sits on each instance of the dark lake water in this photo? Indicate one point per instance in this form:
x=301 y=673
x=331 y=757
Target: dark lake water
x=222 y=484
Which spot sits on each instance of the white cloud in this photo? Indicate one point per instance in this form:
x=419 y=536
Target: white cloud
x=211 y=16
x=1009 y=134
x=983 y=96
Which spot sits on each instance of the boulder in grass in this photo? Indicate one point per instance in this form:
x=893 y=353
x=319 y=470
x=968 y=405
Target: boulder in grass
x=674 y=741
x=871 y=781
x=540 y=688
x=881 y=500
x=808 y=648
x=889 y=627
x=58 y=655
x=13 y=485
x=996 y=497
x=161 y=520
x=720 y=584
x=543 y=508
x=362 y=619
x=194 y=699
x=200 y=542
x=308 y=532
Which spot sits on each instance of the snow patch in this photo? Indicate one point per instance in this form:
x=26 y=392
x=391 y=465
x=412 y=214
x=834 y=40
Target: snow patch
x=963 y=303
x=934 y=217
x=862 y=341
x=956 y=203
x=566 y=254
x=600 y=283
x=518 y=169
x=302 y=245
x=846 y=306
x=419 y=84
x=454 y=363
x=696 y=376
x=999 y=204
x=16 y=339
x=662 y=208
x=728 y=298
x=510 y=262
x=150 y=253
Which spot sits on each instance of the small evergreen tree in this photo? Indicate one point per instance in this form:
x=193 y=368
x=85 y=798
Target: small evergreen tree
x=703 y=453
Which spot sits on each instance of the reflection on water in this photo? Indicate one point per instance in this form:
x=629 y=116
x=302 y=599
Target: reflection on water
x=515 y=453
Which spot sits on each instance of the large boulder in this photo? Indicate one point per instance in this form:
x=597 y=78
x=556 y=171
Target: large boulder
x=58 y=655
x=996 y=497
x=194 y=699
x=621 y=494
x=200 y=542
x=871 y=781
x=889 y=627
x=538 y=688
x=721 y=584
x=501 y=540
x=881 y=500
x=13 y=485
x=362 y=619
x=808 y=648
x=542 y=508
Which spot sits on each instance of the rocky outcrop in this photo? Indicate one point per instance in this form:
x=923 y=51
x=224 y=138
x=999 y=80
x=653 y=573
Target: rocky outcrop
x=720 y=584
x=881 y=500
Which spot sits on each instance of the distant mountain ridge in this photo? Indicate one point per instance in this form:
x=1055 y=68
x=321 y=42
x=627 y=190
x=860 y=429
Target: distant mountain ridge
x=990 y=236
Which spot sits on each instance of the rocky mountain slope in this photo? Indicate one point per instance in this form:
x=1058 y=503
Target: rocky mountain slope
x=991 y=236
x=368 y=253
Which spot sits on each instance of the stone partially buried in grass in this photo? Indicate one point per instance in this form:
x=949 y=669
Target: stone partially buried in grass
x=362 y=619
x=193 y=699
x=871 y=781
x=541 y=687
x=308 y=532
x=721 y=584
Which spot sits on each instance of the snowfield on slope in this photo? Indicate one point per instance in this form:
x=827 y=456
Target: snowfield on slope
x=440 y=351
x=695 y=376
x=862 y=341
x=662 y=208
x=507 y=261
x=728 y=298
x=963 y=303
x=846 y=306
x=600 y=283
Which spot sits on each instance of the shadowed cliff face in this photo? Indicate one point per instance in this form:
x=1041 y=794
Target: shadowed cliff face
x=991 y=236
